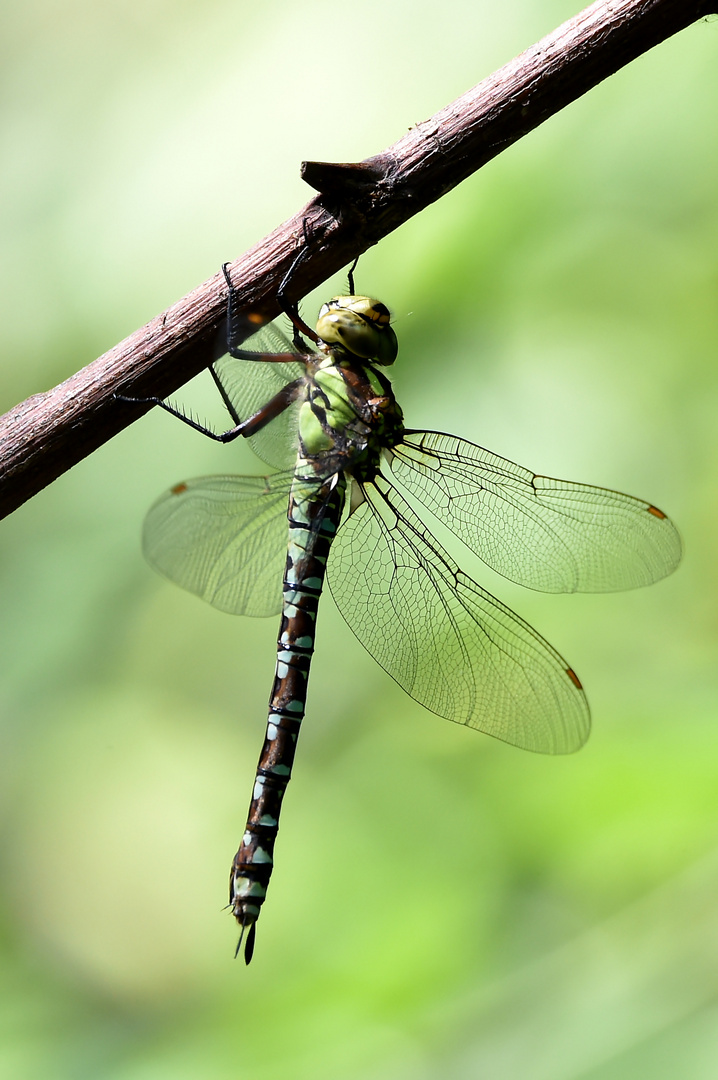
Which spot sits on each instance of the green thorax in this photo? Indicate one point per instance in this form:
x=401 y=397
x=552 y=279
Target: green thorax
x=350 y=414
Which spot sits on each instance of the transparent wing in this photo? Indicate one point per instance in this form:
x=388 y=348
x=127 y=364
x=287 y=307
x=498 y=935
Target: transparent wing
x=447 y=642
x=223 y=538
x=250 y=384
x=547 y=534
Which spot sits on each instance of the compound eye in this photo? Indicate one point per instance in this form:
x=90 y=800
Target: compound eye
x=360 y=325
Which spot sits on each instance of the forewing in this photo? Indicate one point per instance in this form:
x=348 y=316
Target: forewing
x=547 y=534
x=447 y=642
x=250 y=384
x=223 y=538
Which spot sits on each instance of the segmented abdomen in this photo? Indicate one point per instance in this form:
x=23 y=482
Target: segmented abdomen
x=315 y=508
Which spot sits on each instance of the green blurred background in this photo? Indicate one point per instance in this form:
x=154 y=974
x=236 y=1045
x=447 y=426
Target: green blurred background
x=443 y=905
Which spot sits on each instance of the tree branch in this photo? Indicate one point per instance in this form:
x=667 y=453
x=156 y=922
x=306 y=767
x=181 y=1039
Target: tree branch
x=358 y=204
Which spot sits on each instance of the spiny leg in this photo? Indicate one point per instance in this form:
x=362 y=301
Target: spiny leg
x=246 y=428
x=292 y=309
x=241 y=326
x=350 y=276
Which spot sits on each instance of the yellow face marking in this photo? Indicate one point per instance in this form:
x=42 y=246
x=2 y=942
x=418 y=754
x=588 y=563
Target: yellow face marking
x=378 y=313
x=365 y=306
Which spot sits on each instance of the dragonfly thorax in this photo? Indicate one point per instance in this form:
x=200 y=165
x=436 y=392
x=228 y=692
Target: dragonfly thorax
x=350 y=414
x=359 y=325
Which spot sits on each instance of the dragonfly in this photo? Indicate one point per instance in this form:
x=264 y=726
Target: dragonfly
x=344 y=500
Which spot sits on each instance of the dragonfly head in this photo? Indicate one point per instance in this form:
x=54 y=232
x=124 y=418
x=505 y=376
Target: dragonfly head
x=360 y=325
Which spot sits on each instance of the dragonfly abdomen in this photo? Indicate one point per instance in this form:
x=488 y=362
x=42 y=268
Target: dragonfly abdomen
x=315 y=508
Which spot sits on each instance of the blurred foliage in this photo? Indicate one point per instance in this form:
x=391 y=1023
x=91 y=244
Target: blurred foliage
x=443 y=906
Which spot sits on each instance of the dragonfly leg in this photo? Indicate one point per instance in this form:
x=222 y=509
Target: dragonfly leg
x=292 y=309
x=263 y=416
x=350 y=276
x=246 y=428
x=240 y=326
x=173 y=411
